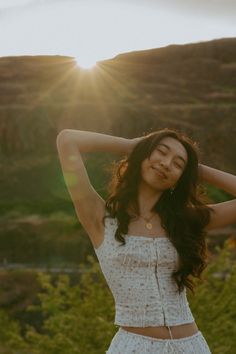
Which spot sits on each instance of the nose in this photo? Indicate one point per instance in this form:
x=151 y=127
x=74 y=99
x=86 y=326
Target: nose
x=165 y=164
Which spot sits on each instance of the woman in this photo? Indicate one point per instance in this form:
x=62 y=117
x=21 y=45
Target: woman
x=149 y=235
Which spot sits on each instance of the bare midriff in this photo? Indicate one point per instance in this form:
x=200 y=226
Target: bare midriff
x=162 y=332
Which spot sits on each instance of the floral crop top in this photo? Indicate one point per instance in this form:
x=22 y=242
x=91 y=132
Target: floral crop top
x=139 y=277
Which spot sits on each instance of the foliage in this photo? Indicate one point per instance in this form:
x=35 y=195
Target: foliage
x=214 y=306
x=79 y=319
x=11 y=341
x=217 y=195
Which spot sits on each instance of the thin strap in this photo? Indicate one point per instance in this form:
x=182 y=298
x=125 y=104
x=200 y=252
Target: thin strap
x=170 y=332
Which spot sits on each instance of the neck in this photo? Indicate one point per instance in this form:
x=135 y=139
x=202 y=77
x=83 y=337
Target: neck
x=147 y=198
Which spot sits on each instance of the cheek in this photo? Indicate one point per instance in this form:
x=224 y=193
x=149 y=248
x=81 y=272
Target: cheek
x=147 y=172
x=143 y=170
x=145 y=166
x=174 y=177
x=154 y=157
x=177 y=176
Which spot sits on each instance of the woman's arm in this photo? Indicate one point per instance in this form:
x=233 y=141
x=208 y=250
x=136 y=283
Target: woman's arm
x=225 y=212
x=220 y=179
x=88 y=141
x=89 y=205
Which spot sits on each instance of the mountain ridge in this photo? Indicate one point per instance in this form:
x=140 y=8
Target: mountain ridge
x=190 y=87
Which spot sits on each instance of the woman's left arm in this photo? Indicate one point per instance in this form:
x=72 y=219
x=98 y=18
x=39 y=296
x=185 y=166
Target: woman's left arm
x=224 y=212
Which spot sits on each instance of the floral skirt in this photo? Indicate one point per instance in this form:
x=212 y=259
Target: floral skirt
x=125 y=342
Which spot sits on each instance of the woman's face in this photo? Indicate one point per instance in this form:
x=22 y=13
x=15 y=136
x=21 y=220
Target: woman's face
x=165 y=165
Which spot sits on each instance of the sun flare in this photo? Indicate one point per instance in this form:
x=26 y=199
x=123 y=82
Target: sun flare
x=85 y=63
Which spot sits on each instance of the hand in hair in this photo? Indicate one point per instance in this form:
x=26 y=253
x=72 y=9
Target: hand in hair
x=134 y=142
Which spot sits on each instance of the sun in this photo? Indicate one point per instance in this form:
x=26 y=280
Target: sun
x=86 y=62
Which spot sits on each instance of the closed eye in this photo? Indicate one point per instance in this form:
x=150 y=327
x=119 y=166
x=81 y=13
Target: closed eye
x=161 y=151
x=178 y=165
x=164 y=153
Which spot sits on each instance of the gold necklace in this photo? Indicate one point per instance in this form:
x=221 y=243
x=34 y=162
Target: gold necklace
x=148 y=223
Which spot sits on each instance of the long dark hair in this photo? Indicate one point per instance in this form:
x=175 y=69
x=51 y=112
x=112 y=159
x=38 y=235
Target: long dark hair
x=183 y=213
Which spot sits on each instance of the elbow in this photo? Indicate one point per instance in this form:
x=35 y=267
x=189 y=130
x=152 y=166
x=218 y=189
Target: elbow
x=61 y=137
x=62 y=132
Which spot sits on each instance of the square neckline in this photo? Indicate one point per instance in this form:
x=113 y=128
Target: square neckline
x=142 y=236
x=146 y=237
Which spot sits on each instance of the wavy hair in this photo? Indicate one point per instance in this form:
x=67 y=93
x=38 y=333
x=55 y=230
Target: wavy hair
x=183 y=213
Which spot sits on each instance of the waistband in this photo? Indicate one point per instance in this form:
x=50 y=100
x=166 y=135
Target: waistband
x=189 y=338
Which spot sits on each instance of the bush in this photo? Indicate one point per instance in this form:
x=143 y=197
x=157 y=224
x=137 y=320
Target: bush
x=79 y=319
x=11 y=341
x=214 y=306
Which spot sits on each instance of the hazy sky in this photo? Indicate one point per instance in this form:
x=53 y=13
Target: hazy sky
x=98 y=29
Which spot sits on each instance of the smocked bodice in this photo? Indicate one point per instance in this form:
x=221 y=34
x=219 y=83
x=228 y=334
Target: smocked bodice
x=139 y=277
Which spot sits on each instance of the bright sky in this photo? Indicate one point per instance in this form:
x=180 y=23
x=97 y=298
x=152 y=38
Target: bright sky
x=94 y=30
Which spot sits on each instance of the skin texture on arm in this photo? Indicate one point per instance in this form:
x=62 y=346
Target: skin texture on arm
x=88 y=141
x=89 y=205
x=220 y=179
x=224 y=212
x=70 y=144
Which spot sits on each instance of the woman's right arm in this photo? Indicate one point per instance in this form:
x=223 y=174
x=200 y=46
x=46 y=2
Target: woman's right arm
x=88 y=141
x=89 y=205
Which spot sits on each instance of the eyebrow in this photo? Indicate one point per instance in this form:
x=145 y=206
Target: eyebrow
x=167 y=146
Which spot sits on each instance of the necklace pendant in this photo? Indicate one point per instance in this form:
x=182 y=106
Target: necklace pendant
x=148 y=225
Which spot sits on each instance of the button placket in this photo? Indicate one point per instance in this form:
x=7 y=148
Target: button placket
x=147 y=282
x=158 y=280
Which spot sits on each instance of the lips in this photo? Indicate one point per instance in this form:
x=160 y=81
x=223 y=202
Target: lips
x=162 y=174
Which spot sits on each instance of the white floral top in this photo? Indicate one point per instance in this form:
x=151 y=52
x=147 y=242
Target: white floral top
x=139 y=277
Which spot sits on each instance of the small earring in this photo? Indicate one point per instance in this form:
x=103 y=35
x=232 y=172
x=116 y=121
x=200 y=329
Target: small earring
x=172 y=191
